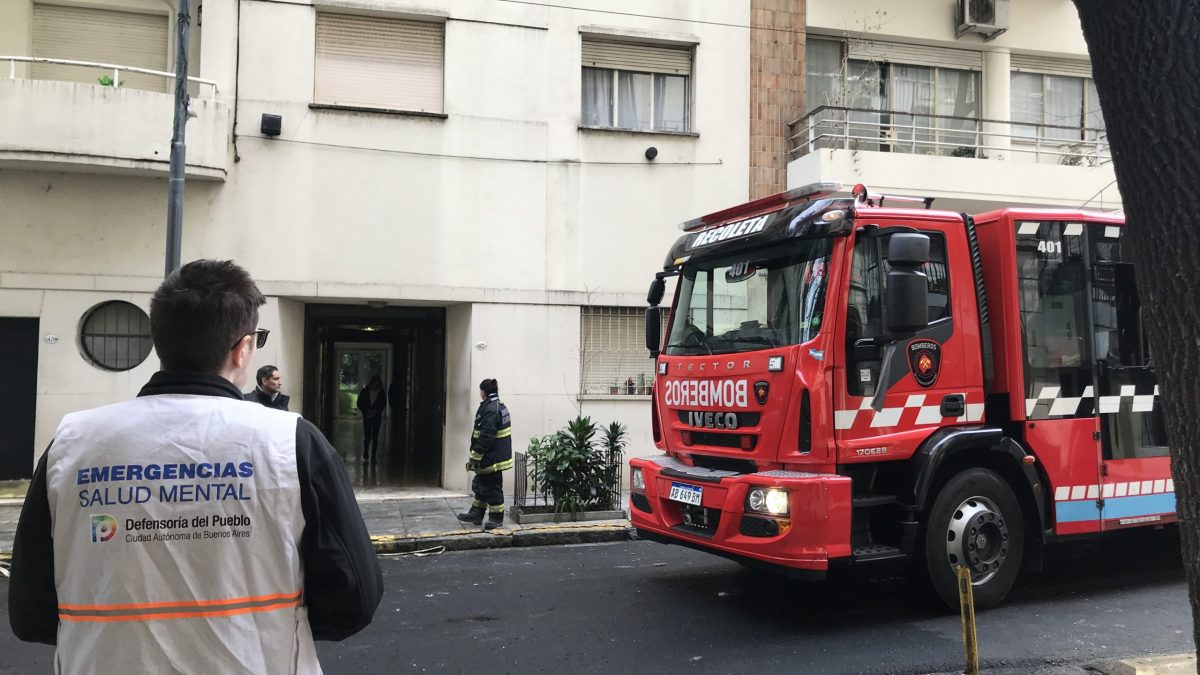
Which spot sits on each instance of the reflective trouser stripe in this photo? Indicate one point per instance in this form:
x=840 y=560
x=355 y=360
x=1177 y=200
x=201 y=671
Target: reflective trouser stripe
x=478 y=504
x=499 y=508
x=476 y=456
x=498 y=466
x=183 y=609
x=504 y=433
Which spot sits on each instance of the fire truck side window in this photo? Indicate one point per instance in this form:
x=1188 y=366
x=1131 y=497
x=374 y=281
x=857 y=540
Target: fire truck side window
x=1052 y=278
x=864 y=314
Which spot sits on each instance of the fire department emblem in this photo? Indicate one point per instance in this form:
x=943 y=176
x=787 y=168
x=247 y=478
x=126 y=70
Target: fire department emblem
x=925 y=361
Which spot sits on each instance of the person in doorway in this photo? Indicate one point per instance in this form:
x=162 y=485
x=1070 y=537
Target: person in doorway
x=491 y=454
x=269 y=389
x=372 y=401
x=184 y=529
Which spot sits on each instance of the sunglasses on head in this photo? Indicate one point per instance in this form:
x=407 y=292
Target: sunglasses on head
x=260 y=338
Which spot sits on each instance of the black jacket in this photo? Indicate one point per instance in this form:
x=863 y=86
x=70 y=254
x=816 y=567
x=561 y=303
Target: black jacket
x=343 y=582
x=491 y=440
x=377 y=404
x=280 y=402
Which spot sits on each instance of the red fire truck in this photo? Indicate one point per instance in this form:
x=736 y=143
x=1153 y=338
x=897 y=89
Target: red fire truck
x=845 y=382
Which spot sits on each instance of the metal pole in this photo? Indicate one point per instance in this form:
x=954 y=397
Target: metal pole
x=175 y=182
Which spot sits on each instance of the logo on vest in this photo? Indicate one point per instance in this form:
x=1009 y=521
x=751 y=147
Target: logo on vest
x=104 y=528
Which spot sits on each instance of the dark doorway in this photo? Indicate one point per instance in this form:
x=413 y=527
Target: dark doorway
x=345 y=346
x=18 y=396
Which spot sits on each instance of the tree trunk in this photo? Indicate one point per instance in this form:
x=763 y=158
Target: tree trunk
x=1146 y=65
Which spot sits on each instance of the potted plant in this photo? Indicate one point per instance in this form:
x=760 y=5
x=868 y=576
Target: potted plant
x=630 y=387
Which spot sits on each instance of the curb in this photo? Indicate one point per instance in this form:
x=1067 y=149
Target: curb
x=1172 y=664
x=503 y=538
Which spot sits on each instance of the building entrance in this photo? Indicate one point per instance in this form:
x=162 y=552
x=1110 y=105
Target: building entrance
x=346 y=346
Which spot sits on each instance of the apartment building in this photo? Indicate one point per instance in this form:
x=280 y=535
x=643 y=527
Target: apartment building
x=437 y=192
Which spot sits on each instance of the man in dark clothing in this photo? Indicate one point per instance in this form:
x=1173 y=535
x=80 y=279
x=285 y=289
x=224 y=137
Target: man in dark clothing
x=268 y=392
x=145 y=512
x=491 y=454
x=372 y=402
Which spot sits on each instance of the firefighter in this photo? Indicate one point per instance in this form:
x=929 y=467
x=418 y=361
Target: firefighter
x=491 y=454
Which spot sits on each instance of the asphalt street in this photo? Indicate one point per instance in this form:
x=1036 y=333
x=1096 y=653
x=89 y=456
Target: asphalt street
x=645 y=607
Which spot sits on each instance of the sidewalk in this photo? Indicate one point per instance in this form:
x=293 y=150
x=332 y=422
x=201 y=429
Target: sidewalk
x=414 y=519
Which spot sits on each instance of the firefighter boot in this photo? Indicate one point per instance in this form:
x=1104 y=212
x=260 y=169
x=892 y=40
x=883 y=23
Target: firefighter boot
x=495 y=519
x=474 y=516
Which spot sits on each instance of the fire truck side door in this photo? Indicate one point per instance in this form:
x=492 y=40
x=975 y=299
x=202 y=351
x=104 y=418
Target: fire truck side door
x=1136 y=485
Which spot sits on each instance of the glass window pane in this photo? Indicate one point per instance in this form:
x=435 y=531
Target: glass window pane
x=912 y=94
x=865 y=90
x=823 y=66
x=1064 y=107
x=958 y=97
x=670 y=103
x=597 y=97
x=633 y=100
x=1025 y=103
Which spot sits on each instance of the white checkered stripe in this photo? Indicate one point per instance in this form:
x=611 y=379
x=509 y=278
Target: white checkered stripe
x=1050 y=403
x=1077 y=493
x=914 y=413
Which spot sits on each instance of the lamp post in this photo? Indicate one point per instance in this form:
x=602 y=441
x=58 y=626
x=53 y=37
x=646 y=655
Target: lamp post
x=178 y=150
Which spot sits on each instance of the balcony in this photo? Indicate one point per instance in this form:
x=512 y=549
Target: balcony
x=109 y=126
x=967 y=163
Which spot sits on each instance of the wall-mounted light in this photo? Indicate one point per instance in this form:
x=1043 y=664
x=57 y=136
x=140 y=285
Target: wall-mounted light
x=481 y=345
x=272 y=125
x=651 y=152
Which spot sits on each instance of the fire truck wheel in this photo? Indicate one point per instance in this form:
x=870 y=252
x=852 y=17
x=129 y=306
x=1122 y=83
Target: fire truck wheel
x=975 y=521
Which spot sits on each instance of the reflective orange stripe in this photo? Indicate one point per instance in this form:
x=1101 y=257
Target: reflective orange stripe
x=180 y=603
x=179 y=615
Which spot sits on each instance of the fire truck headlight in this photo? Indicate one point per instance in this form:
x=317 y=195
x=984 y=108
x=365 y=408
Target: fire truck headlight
x=636 y=479
x=771 y=501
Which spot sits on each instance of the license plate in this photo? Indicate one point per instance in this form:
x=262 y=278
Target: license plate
x=688 y=494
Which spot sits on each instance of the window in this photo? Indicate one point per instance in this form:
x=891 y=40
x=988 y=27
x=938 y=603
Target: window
x=759 y=300
x=134 y=39
x=897 y=106
x=613 y=356
x=636 y=86
x=1058 y=101
x=372 y=62
x=115 y=336
x=868 y=278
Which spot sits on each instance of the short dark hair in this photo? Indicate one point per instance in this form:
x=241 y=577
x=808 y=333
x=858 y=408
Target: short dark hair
x=200 y=312
x=489 y=387
x=264 y=373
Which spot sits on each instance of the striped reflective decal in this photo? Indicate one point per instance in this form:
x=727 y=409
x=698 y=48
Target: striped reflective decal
x=181 y=609
x=1132 y=499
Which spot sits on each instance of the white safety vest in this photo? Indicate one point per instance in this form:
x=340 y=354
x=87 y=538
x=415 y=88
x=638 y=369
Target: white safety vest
x=177 y=526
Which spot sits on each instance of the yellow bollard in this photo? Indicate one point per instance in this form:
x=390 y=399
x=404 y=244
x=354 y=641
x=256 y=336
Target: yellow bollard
x=966 y=601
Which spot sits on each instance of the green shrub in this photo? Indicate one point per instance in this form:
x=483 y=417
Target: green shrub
x=570 y=468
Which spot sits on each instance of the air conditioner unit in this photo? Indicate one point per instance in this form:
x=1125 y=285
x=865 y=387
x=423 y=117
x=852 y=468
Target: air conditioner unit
x=988 y=18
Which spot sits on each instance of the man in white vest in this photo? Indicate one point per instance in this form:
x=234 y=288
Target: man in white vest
x=187 y=530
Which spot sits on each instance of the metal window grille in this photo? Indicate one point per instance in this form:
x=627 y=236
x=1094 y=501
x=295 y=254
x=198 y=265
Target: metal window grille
x=374 y=62
x=115 y=336
x=613 y=357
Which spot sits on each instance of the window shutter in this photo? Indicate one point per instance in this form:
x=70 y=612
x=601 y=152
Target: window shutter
x=373 y=62
x=102 y=36
x=637 y=57
x=917 y=55
x=1025 y=63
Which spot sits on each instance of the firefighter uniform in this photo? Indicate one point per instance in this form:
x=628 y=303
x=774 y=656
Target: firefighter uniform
x=491 y=454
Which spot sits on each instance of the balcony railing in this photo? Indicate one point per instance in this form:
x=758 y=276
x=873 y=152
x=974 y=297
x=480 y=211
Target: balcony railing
x=831 y=127
x=111 y=69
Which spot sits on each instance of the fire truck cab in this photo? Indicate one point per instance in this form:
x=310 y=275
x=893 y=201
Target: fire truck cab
x=844 y=382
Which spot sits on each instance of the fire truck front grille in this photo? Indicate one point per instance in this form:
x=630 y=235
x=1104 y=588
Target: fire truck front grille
x=699 y=520
x=715 y=440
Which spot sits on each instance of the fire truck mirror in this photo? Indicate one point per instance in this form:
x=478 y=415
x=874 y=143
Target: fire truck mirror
x=653 y=334
x=655 y=295
x=908 y=249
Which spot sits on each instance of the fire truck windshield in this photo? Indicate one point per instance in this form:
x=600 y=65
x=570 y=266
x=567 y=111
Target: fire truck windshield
x=757 y=300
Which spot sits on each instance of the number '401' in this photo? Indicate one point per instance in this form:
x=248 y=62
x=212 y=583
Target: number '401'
x=1050 y=247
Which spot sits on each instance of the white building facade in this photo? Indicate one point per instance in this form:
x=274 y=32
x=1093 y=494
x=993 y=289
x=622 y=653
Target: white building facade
x=438 y=192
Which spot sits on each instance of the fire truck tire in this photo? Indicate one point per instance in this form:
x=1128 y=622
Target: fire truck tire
x=974 y=521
